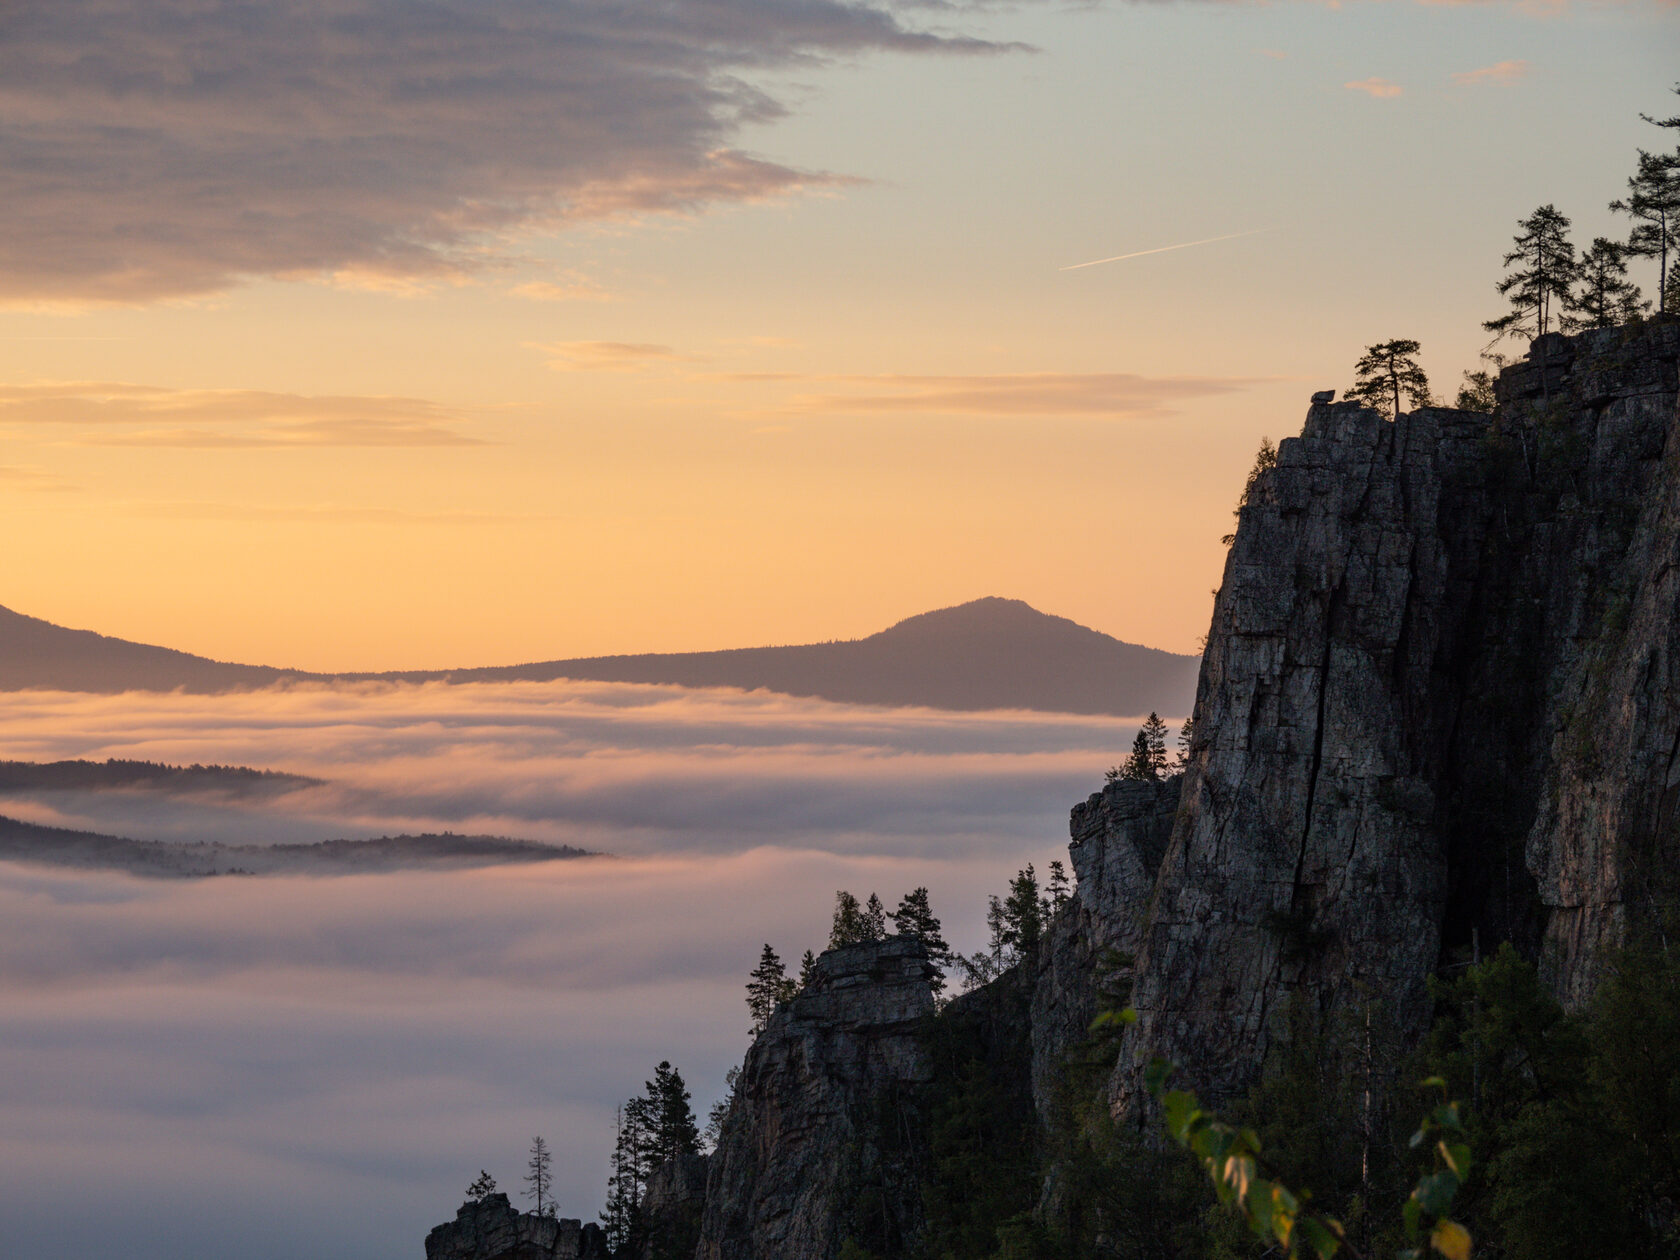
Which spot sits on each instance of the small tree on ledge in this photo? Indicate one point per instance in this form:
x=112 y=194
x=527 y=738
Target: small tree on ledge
x=1389 y=373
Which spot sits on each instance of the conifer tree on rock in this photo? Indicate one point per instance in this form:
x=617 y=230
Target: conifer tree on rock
x=768 y=987
x=807 y=969
x=672 y=1129
x=482 y=1187
x=1389 y=374
x=1057 y=888
x=538 y=1179
x=1538 y=289
x=915 y=917
x=852 y=925
x=1264 y=458
x=622 y=1215
x=1606 y=296
x=1653 y=203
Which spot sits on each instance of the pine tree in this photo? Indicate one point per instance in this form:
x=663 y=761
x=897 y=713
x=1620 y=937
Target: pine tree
x=767 y=988
x=1186 y=734
x=1653 y=203
x=538 y=1179
x=807 y=969
x=672 y=1130
x=1139 y=764
x=482 y=1187
x=851 y=926
x=1389 y=374
x=621 y=1217
x=874 y=919
x=1058 y=886
x=1023 y=916
x=915 y=917
x=1155 y=735
x=1539 y=288
x=1606 y=296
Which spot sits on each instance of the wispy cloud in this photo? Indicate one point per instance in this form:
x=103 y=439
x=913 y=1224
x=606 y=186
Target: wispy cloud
x=1502 y=74
x=156 y=148
x=604 y=356
x=1381 y=89
x=1165 y=249
x=569 y=289
x=29 y=477
x=1116 y=395
x=108 y=413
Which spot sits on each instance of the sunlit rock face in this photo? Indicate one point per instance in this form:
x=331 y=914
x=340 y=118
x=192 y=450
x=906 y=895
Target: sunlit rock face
x=824 y=1110
x=1438 y=705
x=492 y=1229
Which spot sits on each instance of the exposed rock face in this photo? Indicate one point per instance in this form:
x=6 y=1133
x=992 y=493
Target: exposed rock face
x=1118 y=838
x=492 y=1229
x=814 y=1131
x=1442 y=642
x=672 y=1205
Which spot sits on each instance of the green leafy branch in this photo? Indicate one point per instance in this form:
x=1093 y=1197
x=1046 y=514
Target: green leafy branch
x=1243 y=1180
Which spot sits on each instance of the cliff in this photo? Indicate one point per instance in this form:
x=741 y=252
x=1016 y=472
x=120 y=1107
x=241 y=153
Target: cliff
x=1437 y=705
x=492 y=1229
x=818 y=1144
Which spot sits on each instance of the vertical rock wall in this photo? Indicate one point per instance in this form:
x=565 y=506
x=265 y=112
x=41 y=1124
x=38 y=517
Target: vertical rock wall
x=1419 y=621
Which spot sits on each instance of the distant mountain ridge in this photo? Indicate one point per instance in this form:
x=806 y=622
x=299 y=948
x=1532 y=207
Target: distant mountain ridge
x=989 y=653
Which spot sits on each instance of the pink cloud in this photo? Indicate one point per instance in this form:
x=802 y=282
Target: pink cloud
x=1502 y=73
x=1381 y=89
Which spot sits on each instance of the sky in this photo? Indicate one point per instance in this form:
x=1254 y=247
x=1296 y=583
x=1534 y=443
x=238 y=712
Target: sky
x=279 y=1067
x=379 y=334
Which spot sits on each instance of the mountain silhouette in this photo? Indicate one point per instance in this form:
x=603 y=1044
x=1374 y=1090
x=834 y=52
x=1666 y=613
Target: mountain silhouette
x=987 y=654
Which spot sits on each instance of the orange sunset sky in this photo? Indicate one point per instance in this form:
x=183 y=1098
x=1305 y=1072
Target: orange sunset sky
x=366 y=334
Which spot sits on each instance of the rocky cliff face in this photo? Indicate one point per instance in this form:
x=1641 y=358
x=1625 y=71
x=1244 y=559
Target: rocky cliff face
x=492 y=1229
x=818 y=1144
x=1438 y=701
x=1117 y=841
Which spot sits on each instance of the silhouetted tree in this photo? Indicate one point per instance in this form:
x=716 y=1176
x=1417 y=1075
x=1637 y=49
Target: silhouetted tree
x=1388 y=374
x=1023 y=916
x=482 y=1187
x=767 y=988
x=915 y=917
x=1653 y=203
x=850 y=927
x=874 y=918
x=1058 y=886
x=622 y=1214
x=1545 y=267
x=672 y=1131
x=1264 y=458
x=1605 y=297
x=1186 y=733
x=1476 y=393
x=537 y=1178
x=807 y=969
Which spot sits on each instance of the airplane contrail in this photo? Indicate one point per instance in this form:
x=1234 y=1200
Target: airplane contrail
x=1097 y=262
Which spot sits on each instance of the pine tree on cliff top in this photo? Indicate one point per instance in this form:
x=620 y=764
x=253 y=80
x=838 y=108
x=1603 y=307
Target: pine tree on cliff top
x=767 y=988
x=1606 y=296
x=538 y=1179
x=915 y=917
x=854 y=924
x=1389 y=374
x=1539 y=287
x=1653 y=203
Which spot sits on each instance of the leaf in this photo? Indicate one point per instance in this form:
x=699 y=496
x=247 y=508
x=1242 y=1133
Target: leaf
x=1434 y=1193
x=1177 y=1108
x=1410 y=1214
x=1320 y=1239
x=1436 y=1082
x=1451 y=1239
x=1457 y=1157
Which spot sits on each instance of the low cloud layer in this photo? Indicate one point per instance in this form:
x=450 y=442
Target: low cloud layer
x=154 y=148
x=115 y=413
x=280 y=1067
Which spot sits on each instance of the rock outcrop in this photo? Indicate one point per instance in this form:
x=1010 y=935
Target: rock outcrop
x=672 y=1205
x=1117 y=840
x=818 y=1136
x=493 y=1229
x=1444 y=644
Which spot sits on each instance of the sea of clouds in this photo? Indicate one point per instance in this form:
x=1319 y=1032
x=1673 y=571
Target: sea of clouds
x=287 y=1066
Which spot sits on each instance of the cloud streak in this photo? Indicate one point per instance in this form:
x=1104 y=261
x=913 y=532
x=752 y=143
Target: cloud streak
x=107 y=413
x=1500 y=74
x=1110 y=395
x=1375 y=87
x=1164 y=249
x=158 y=148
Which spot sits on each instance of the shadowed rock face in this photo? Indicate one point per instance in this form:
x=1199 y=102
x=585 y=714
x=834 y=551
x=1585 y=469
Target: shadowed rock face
x=816 y=1119
x=1438 y=698
x=492 y=1229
